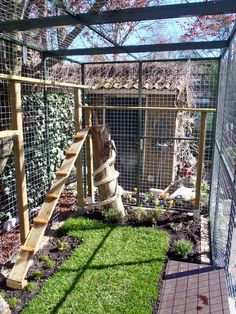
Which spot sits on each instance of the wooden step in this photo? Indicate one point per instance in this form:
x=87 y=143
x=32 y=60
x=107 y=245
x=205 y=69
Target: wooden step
x=16 y=284
x=70 y=153
x=24 y=260
x=78 y=137
x=39 y=220
x=28 y=248
x=61 y=173
x=51 y=196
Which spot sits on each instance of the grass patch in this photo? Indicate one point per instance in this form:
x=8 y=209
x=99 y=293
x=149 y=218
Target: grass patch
x=115 y=270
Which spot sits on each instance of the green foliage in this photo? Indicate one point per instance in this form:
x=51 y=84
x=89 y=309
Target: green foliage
x=148 y=216
x=62 y=245
x=37 y=274
x=182 y=247
x=13 y=302
x=3 y=295
x=114 y=270
x=205 y=188
x=48 y=131
x=112 y=216
x=47 y=262
x=31 y=286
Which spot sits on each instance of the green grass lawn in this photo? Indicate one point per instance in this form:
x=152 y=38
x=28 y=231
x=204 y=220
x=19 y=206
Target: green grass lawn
x=115 y=270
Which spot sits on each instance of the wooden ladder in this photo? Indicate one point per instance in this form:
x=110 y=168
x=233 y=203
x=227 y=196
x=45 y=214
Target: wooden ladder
x=16 y=278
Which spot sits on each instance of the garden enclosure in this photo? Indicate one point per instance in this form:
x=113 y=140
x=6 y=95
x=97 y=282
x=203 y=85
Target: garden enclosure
x=161 y=114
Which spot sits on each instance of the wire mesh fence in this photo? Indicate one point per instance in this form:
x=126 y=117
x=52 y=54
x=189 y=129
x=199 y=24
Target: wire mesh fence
x=157 y=151
x=48 y=129
x=223 y=192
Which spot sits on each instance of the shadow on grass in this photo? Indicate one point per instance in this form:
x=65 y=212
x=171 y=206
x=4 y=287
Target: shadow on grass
x=97 y=267
x=83 y=269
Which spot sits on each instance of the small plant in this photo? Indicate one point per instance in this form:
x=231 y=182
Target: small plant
x=141 y=215
x=182 y=247
x=37 y=274
x=157 y=213
x=31 y=286
x=112 y=216
x=62 y=245
x=2 y=294
x=13 y=302
x=47 y=262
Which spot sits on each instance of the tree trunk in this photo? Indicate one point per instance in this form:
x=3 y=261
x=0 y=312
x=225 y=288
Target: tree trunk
x=103 y=148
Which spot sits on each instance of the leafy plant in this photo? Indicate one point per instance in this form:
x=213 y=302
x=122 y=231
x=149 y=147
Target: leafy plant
x=13 y=302
x=62 y=245
x=182 y=248
x=2 y=294
x=112 y=216
x=31 y=286
x=37 y=274
x=47 y=262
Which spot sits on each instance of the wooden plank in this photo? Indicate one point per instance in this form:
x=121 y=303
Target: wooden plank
x=70 y=153
x=28 y=248
x=200 y=162
x=38 y=220
x=24 y=79
x=19 y=158
x=36 y=233
x=174 y=109
x=9 y=133
x=89 y=155
x=79 y=161
x=62 y=173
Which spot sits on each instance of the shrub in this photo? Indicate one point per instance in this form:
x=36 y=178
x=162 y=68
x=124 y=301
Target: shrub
x=13 y=302
x=157 y=212
x=31 y=286
x=112 y=216
x=47 y=262
x=62 y=245
x=182 y=248
x=141 y=215
x=37 y=274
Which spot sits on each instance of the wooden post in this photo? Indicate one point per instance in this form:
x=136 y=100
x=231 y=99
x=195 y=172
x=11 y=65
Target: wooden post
x=19 y=157
x=89 y=154
x=201 y=152
x=79 y=161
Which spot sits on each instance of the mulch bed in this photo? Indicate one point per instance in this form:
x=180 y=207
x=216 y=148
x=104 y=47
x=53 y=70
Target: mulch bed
x=51 y=250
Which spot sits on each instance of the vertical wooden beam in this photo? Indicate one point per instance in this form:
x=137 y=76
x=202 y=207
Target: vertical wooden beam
x=200 y=162
x=89 y=155
x=79 y=161
x=19 y=157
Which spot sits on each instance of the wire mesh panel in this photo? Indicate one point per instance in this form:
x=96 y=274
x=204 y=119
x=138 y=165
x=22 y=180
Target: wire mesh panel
x=48 y=129
x=224 y=193
x=156 y=149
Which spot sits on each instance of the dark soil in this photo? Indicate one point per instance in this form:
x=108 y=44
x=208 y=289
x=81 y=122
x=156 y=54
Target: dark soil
x=51 y=250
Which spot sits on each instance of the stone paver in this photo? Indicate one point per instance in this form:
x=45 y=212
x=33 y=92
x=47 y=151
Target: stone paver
x=193 y=288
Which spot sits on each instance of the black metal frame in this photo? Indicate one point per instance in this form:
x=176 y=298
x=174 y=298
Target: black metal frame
x=126 y=15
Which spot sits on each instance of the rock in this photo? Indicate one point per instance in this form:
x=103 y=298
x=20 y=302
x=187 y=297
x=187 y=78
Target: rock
x=4 y=307
x=10 y=224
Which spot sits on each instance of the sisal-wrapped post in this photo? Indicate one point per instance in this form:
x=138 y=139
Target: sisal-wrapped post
x=103 y=150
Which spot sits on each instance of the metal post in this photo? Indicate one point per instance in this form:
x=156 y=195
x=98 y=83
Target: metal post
x=47 y=137
x=201 y=152
x=83 y=125
x=140 y=86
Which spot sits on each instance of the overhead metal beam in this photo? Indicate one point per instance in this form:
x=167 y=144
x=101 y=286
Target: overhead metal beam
x=124 y=15
x=140 y=48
